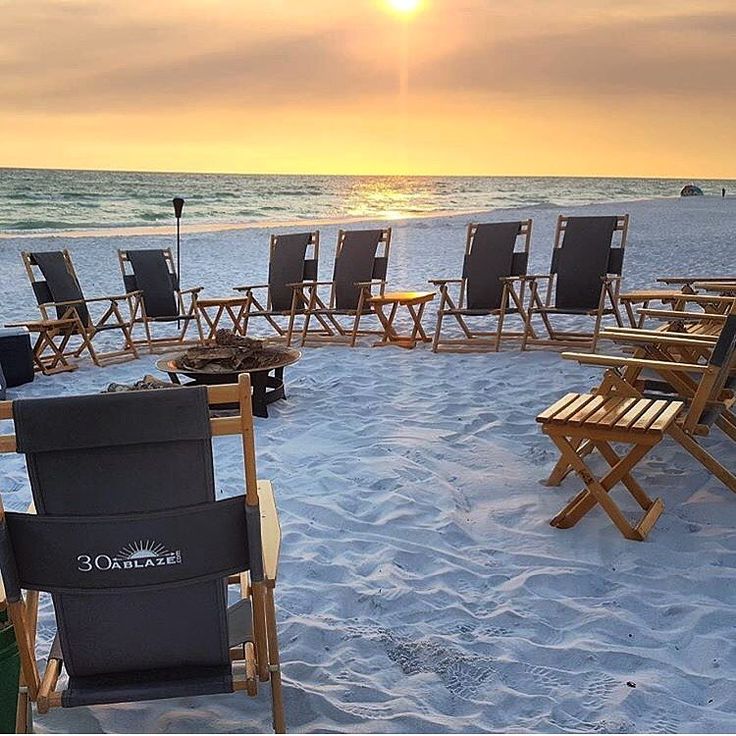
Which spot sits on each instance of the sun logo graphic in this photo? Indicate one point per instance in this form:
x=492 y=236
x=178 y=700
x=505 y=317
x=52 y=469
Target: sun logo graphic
x=137 y=555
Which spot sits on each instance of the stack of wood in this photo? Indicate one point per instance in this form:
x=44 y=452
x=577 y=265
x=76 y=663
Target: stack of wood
x=231 y=353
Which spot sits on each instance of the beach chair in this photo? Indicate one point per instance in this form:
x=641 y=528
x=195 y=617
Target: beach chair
x=584 y=280
x=637 y=303
x=361 y=261
x=491 y=257
x=60 y=298
x=684 y=401
x=290 y=262
x=151 y=274
x=126 y=535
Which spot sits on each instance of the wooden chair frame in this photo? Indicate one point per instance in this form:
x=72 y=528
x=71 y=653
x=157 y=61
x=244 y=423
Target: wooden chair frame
x=448 y=306
x=610 y=289
x=673 y=301
x=308 y=299
x=112 y=318
x=255 y=306
x=188 y=313
x=254 y=661
x=700 y=385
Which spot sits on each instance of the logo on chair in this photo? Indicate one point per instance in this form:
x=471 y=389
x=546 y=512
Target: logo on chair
x=133 y=556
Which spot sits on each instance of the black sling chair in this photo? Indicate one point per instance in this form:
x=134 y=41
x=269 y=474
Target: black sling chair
x=359 y=269
x=485 y=289
x=289 y=263
x=584 y=280
x=135 y=551
x=59 y=296
x=152 y=276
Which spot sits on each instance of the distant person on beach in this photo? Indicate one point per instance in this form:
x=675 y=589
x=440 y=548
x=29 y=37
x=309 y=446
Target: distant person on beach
x=723 y=191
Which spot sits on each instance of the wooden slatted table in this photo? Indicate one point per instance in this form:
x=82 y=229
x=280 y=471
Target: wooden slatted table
x=236 y=308
x=415 y=302
x=52 y=338
x=580 y=423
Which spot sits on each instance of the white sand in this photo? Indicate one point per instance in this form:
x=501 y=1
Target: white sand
x=421 y=586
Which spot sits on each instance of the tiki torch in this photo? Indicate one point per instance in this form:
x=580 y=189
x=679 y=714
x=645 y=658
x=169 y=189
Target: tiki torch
x=178 y=207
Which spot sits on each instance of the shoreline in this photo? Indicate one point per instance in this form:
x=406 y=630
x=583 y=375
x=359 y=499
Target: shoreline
x=193 y=228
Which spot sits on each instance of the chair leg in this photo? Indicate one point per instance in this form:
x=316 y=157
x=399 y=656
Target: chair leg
x=23 y=713
x=438 y=326
x=277 y=700
x=562 y=469
x=596 y=491
x=703 y=456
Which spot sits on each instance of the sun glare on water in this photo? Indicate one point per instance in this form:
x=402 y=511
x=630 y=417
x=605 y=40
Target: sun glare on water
x=405 y=7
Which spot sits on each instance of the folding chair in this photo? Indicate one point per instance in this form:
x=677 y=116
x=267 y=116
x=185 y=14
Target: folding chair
x=684 y=402
x=584 y=280
x=56 y=287
x=151 y=274
x=289 y=263
x=491 y=258
x=137 y=554
x=358 y=271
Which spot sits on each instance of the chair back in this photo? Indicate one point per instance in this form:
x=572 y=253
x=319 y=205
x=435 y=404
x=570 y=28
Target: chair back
x=357 y=261
x=288 y=264
x=154 y=274
x=129 y=540
x=59 y=282
x=583 y=255
x=491 y=255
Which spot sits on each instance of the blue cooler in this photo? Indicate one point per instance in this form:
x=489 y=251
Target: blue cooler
x=16 y=356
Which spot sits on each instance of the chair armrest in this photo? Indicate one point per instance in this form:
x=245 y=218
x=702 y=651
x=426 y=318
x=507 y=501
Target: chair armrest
x=83 y=301
x=270 y=529
x=374 y=282
x=442 y=282
x=632 y=335
x=687 y=280
x=117 y=297
x=622 y=361
x=303 y=284
x=193 y=290
x=681 y=315
x=251 y=287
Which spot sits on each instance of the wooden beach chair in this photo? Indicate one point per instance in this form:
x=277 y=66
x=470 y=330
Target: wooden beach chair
x=491 y=257
x=684 y=400
x=136 y=552
x=637 y=303
x=361 y=262
x=584 y=280
x=60 y=297
x=290 y=262
x=151 y=274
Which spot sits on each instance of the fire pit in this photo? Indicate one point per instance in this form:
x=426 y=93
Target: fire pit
x=230 y=356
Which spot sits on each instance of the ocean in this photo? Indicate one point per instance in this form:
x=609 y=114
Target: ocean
x=36 y=201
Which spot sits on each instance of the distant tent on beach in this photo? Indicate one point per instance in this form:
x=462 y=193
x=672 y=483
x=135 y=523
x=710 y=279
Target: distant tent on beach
x=690 y=190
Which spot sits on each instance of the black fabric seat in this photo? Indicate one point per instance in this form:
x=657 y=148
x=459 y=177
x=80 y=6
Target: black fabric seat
x=93 y=459
x=584 y=279
x=151 y=275
x=490 y=261
x=358 y=270
x=56 y=287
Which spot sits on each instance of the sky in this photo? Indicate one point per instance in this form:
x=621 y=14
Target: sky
x=472 y=87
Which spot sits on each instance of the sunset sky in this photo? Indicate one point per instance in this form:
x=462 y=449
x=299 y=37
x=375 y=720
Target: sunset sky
x=547 y=87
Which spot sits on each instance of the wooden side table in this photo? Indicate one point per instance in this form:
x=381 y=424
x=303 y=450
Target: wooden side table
x=50 y=356
x=236 y=308
x=415 y=302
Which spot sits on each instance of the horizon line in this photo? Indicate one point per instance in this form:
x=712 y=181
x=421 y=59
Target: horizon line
x=423 y=176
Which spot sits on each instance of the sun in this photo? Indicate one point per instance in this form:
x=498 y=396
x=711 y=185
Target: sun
x=404 y=6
